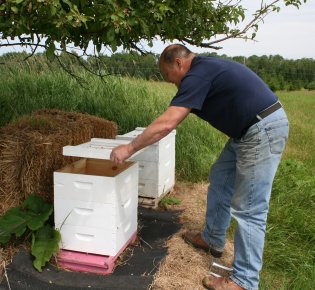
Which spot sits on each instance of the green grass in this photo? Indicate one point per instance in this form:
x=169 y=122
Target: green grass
x=289 y=250
x=300 y=106
x=130 y=103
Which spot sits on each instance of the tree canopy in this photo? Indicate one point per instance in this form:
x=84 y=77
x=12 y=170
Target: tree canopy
x=58 y=24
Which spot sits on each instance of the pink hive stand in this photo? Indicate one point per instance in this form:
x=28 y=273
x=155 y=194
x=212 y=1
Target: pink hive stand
x=90 y=263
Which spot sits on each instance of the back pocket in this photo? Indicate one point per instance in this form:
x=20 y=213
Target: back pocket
x=277 y=136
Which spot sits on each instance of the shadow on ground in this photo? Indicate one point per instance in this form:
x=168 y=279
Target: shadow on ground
x=135 y=271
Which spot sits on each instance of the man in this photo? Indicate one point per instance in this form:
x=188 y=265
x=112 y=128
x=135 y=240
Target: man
x=237 y=102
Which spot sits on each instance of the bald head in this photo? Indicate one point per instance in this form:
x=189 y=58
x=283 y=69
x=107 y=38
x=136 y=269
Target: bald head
x=171 y=52
x=175 y=62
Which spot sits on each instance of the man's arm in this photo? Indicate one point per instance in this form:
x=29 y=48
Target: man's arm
x=158 y=129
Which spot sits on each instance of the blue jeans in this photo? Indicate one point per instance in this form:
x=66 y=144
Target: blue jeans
x=240 y=186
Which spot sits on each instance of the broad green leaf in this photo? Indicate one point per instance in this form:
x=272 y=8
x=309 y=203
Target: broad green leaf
x=69 y=17
x=33 y=215
x=35 y=204
x=50 y=52
x=37 y=210
x=53 y=10
x=110 y=35
x=13 y=222
x=45 y=243
x=14 y=9
x=113 y=46
x=66 y=5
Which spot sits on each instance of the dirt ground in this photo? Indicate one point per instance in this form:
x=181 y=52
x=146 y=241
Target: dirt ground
x=184 y=267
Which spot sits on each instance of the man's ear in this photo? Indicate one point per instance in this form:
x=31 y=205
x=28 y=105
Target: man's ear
x=179 y=62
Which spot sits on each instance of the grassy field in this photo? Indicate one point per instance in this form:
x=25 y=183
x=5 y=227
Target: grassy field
x=290 y=251
x=289 y=261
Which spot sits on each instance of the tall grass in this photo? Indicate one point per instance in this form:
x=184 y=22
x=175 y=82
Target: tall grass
x=289 y=253
x=290 y=241
x=129 y=102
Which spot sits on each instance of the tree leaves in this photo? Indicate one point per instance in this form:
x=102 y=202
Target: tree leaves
x=114 y=23
x=50 y=52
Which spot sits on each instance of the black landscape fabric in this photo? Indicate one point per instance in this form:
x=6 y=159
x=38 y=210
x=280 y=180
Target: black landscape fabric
x=155 y=227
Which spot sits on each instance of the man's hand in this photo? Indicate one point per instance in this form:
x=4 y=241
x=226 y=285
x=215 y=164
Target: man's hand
x=120 y=153
x=157 y=130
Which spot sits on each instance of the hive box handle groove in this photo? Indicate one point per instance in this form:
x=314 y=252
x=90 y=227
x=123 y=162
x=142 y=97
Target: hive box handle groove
x=84 y=237
x=83 y=185
x=83 y=211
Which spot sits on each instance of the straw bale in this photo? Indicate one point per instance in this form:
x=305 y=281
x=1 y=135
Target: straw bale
x=31 y=150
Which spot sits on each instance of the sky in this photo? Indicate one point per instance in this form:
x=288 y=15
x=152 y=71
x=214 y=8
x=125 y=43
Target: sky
x=289 y=33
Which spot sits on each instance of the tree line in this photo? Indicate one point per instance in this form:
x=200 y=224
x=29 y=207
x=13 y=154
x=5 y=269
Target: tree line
x=277 y=72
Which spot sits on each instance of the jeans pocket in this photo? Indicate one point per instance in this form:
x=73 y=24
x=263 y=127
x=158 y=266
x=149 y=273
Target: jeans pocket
x=277 y=136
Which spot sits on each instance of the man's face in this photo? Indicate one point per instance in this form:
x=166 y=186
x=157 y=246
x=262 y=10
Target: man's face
x=174 y=72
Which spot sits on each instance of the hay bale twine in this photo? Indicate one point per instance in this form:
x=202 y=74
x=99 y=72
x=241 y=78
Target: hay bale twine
x=31 y=150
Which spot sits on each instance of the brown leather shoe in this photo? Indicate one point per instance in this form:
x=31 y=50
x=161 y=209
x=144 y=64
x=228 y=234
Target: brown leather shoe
x=196 y=241
x=220 y=283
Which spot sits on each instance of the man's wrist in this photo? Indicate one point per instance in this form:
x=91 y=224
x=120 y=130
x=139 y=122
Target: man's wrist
x=131 y=148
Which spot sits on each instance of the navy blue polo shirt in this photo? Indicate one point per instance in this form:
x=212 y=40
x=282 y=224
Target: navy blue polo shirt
x=225 y=93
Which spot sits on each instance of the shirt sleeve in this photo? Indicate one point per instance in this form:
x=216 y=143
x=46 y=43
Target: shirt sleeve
x=192 y=92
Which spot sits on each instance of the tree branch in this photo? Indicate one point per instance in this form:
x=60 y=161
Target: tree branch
x=259 y=16
x=33 y=50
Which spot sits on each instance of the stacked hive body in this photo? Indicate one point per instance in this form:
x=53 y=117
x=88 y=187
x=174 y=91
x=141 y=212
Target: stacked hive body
x=96 y=203
x=156 y=165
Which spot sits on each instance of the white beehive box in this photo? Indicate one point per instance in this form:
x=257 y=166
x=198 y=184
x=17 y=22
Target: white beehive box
x=95 y=203
x=156 y=164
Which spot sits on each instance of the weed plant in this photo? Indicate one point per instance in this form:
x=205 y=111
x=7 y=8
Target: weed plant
x=289 y=261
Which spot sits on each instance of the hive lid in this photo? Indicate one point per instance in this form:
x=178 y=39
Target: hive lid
x=97 y=148
x=137 y=131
